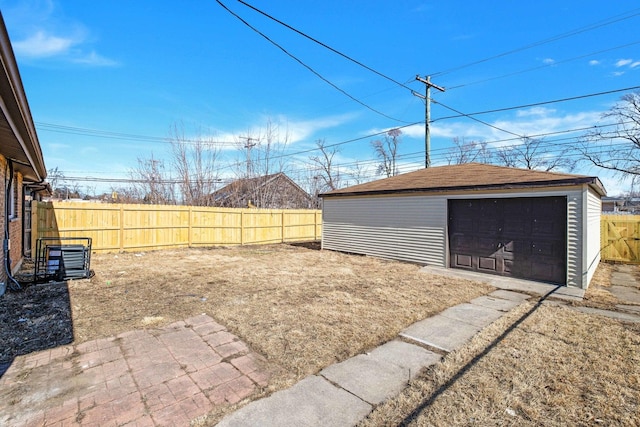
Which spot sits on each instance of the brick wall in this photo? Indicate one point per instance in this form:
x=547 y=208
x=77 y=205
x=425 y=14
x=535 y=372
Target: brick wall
x=15 y=223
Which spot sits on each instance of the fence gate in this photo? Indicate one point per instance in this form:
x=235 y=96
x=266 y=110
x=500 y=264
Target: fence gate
x=620 y=238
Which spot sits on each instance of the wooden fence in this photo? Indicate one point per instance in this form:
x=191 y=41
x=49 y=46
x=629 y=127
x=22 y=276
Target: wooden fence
x=121 y=227
x=620 y=238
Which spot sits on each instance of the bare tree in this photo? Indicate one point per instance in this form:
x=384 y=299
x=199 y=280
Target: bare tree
x=123 y=195
x=616 y=149
x=468 y=152
x=195 y=164
x=151 y=183
x=358 y=173
x=387 y=151
x=328 y=175
x=256 y=185
x=533 y=153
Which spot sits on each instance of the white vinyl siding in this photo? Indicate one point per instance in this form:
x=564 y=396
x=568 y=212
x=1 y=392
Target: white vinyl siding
x=404 y=228
x=414 y=228
x=592 y=235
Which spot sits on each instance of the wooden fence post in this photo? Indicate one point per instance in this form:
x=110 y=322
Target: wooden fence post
x=283 y=229
x=241 y=227
x=189 y=223
x=121 y=228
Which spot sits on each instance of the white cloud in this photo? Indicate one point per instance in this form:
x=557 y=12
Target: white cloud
x=617 y=73
x=283 y=130
x=41 y=45
x=635 y=64
x=623 y=62
x=530 y=122
x=594 y=62
x=535 y=111
x=95 y=60
x=548 y=61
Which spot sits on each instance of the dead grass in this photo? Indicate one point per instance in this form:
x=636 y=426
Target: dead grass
x=598 y=294
x=557 y=367
x=301 y=309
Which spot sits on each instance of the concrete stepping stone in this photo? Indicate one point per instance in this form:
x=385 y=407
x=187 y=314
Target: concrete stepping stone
x=311 y=402
x=499 y=304
x=509 y=295
x=608 y=313
x=634 y=308
x=371 y=379
x=441 y=332
x=626 y=293
x=475 y=314
x=408 y=356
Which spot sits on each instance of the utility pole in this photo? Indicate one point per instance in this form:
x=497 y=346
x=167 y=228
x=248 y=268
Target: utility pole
x=427 y=116
x=249 y=145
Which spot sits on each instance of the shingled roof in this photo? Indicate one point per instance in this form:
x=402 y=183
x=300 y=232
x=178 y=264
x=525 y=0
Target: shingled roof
x=469 y=176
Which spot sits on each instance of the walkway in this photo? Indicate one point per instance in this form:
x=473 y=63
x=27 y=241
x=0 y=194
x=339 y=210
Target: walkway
x=157 y=377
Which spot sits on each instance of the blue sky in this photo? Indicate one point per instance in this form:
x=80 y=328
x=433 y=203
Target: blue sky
x=107 y=80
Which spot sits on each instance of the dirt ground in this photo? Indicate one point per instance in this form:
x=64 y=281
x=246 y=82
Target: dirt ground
x=303 y=309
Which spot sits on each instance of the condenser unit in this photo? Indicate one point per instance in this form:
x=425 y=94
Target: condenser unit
x=63 y=258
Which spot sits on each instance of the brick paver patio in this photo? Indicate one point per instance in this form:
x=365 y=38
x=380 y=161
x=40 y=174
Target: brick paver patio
x=155 y=377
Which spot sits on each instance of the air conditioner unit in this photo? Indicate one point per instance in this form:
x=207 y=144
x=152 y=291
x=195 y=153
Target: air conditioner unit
x=63 y=258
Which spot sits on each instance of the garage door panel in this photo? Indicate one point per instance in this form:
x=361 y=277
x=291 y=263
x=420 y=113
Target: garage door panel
x=465 y=261
x=487 y=264
x=519 y=237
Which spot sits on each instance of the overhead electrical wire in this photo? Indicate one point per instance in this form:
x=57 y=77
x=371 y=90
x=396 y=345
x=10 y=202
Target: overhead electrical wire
x=537 y=104
x=349 y=58
x=308 y=67
x=442 y=154
x=539 y=67
x=602 y=23
x=345 y=56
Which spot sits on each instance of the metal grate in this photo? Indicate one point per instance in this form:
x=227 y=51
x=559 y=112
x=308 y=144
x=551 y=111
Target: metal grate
x=63 y=258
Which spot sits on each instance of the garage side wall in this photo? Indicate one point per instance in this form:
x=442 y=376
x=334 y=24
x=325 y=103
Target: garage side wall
x=592 y=236
x=404 y=228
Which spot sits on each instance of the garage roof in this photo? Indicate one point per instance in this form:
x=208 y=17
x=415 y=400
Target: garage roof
x=469 y=176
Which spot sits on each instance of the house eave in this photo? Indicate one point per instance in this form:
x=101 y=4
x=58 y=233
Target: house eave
x=19 y=137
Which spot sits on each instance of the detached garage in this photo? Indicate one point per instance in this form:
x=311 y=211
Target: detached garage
x=520 y=223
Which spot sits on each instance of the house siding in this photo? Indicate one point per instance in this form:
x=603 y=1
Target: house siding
x=592 y=236
x=414 y=228
x=404 y=228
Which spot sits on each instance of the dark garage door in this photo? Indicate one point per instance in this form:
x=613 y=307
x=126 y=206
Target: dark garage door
x=518 y=237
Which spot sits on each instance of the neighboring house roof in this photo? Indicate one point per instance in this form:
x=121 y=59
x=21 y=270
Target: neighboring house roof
x=252 y=190
x=19 y=141
x=469 y=176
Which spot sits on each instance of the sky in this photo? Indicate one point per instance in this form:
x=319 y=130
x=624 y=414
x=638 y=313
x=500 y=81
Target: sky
x=108 y=81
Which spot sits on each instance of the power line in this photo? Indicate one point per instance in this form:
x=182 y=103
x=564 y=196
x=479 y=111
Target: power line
x=51 y=127
x=539 y=67
x=469 y=116
x=608 y=21
x=345 y=56
x=536 y=104
x=552 y=146
x=317 y=74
